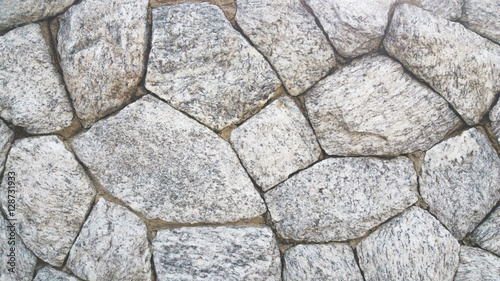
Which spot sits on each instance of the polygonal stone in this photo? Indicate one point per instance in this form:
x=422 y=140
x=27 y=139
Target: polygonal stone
x=487 y=234
x=476 y=264
x=6 y=138
x=495 y=120
x=51 y=274
x=448 y=9
x=483 y=16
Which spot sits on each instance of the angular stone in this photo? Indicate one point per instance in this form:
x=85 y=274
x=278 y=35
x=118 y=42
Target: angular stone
x=53 y=195
x=112 y=245
x=466 y=171
x=51 y=274
x=102 y=45
x=459 y=64
x=487 y=234
x=476 y=264
x=33 y=94
x=372 y=107
x=495 y=120
x=202 y=66
x=216 y=253
x=448 y=9
x=342 y=198
x=288 y=36
x=6 y=139
x=412 y=246
x=483 y=16
x=168 y=166
x=275 y=143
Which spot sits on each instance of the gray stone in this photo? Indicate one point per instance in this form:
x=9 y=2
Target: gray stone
x=288 y=36
x=102 y=45
x=487 y=234
x=32 y=93
x=459 y=64
x=412 y=246
x=202 y=66
x=112 y=245
x=275 y=143
x=466 y=171
x=51 y=274
x=448 y=9
x=168 y=166
x=53 y=195
x=476 y=264
x=372 y=107
x=341 y=198
x=216 y=253
x=495 y=120
x=483 y=17
x=6 y=139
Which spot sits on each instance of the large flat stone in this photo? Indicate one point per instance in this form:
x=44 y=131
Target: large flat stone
x=6 y=139
x=48 y=273
x=448 y=9
x=476 y=264
x=487 y=234
x=483 y=17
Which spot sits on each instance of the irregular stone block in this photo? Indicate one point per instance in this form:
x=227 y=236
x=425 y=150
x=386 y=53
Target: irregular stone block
x=51 y=274
x=448 y=9
x=483 y=17
x=6 y=139
x=476 y=264
x=487 y=234
x=495 y=120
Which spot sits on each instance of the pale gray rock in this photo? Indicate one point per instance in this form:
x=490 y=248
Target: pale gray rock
x=168 y=166
x=53 y=195
x=202 y=66
x=102 y=45
x=372 y=107
x=275 y=143
x=412 y=246
x=341 y=198
x=51 y=274
x=216 y=253
x=448 y=9
x=112 y=245
x=476 y=264
x=32 y=92
x=487 y=234
x=466 y=171
x=495 y=120
x=6 y=139
x=483 y=17
x=459 y=64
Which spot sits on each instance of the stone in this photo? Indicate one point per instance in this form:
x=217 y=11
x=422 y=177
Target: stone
x=275 y=143
x=53 y=195
x=202 y=66
x=341 y=198
x=476 y=264
x=372 y=107
x=411 y=246
x=33 y=94
x=495 y=120
x=111 y=237
x=6 y=139
x=448 y=9
x=216 y=253
x=321 y=262
x=102 y=45
x=51 y=274
x=483 y=17
x=168 y=166
x=466 y=171
x=288 y=36
x=459 y=64
x=487 y=234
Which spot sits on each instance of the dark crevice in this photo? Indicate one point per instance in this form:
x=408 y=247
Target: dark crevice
x=356 y=258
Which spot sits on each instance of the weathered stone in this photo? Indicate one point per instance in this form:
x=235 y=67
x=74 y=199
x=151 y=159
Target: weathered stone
x=466 y=171
x=483 y=16
x=459 y=64
x=487 y=234
x=275 y=143
x=342 y=198
x=53 y=195
x=495 y=120
x=288 y=36
x=32 y=93
x=372 y=107
x=6 y=138
x=51 y=274
x=412 y=246
x=321 y=262
x=112 y=245
x=448 y=9
x=202 y=66
x=168 y=166
x=476 y=264
x=102 y=46
x=216 y=253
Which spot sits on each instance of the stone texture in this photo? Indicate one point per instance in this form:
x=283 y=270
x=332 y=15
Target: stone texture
x=341 y=198
x=459 y=64
x=287 y=35
x=483 y=17
x=202 y=66
x=216 y=253
x=168 y=166
x=275 y=143
x=32 y=91
x=466 y=171
x=53 y=195
x=102 y=45
x=51 y=274
x=448 y=9
x=412 y=246
x=476 y=264
x=495 y=120
x=372 y=107
x=112 y=245
x=487 y=234
x=6 y=139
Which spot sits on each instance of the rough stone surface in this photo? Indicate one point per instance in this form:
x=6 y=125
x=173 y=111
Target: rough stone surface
x=448 y=9
x=216 y=253
x=487 y=234
x=412 y=246
x=459 y=64
x=51 y=274
x=6 y=138
x=202 y=66
x=275 y=143
x=102 y=45
x=53 y=195
x=168 y=166
x=466 y=171
x=288 y=36
x=372 y=107
x=321 y=262
x=483 y=16
x=495 y=120
x=341 y=198
x=32 y=92
x=476 y=264
x=112 y=245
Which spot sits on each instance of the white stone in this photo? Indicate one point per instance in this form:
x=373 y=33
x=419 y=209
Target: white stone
x=483 y=17
x=476 y=264
x=448 y=9
x=6 y=139
x=487 y=234
x=51 y=274
x=495 y=120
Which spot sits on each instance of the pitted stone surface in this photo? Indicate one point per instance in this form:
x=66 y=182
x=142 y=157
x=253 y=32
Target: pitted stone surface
x=483 y=16
x=476 y=264
x=495 y=120
x=487 y=234
x=6 y=139
x=51 y=274
x=448 y=9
